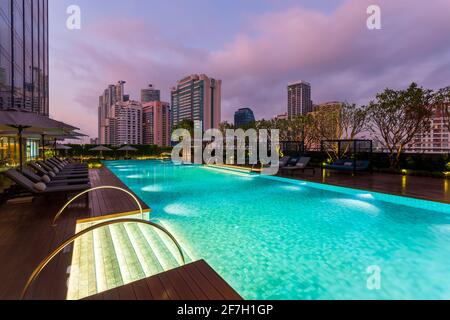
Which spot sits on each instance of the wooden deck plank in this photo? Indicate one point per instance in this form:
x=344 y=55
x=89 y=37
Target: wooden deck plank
x=202 y=282
x=178 y=284
x=26 y=236
x=217 y=282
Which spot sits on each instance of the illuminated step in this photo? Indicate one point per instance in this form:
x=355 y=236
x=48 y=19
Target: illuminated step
x=107 y=267
x=113 y=256
x=188 y=255
x=161 y=251
x=130 y=267
x=231 y=168
x=147 y=258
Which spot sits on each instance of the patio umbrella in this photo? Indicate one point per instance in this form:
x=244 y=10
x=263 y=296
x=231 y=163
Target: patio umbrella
x=101 y=149
x=25 y=122
x=126 y=149
x=63 y=147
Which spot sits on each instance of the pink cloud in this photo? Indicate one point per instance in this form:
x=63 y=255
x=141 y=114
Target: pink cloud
x=335 y=52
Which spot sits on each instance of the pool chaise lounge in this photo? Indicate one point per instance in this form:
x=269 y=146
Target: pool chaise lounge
x=348 y=166
x=38 y=189
x=300 y=165
x=67 y=165
x=50 y=167
x=60 y=176
x=49 y=181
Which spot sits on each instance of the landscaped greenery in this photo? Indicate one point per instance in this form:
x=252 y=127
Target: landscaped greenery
x=143 y=151
x=391 y=120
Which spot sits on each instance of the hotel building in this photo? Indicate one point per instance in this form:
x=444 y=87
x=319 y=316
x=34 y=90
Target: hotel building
x=156 y=123
x=197 y=98
x=126 y=123
x=299 y=98
x=112 y=95
x=150 y=94
x=24 y=68
x=436 y=140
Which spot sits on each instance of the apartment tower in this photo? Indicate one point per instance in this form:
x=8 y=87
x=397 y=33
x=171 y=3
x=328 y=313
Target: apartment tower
x=150 y=94
x=197 y=98
x=156 y=123
x=299 y=98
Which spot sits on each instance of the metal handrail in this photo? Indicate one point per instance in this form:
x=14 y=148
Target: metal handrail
x=69 y=241
x=93 y=189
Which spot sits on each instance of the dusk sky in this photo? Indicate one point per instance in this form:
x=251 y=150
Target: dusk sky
x=255 y=46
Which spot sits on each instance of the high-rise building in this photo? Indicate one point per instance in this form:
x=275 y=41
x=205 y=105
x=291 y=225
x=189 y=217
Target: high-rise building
x=156 y=123
x=126 y=123
x=436 y=140
x=150 y=94
x=299 y=98
x=112 y=95
x=197 y=98
x=24 y=55
x=24 y=70
x=243 y=116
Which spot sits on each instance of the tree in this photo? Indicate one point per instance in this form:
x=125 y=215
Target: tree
x=398 y=116
x=441 y=101
x=185 y=124
x=224 y=126
x=343 y=122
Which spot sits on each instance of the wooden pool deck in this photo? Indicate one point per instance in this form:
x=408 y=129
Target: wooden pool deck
x=426 y=188
x=27 y=237
x=194 y=281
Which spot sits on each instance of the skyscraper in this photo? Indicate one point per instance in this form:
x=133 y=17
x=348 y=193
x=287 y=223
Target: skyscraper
x=24 y=69
x=197 y=98
x=150 y=94
x=243 y=117
x=436 y=140
x=24 y=55
x=126 y=123
x=111 y=95
x=299 y=98
x=156 y=123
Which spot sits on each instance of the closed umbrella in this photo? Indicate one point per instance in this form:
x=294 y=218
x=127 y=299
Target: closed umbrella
x=127 y=149
x=101 y=149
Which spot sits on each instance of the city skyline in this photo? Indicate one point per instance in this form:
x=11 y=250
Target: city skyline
x=334 y=51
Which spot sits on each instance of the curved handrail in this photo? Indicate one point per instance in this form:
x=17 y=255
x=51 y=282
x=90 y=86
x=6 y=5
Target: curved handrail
x=69 y=241
x=93 y=189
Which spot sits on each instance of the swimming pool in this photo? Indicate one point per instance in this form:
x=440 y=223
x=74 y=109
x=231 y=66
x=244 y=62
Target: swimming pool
x=274 y=238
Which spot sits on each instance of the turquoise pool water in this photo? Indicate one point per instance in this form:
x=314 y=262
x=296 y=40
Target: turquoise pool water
x=274 y=238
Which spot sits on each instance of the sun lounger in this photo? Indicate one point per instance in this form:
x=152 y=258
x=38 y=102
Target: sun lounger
x=301 y=165
x=348 y=166
x=48 y=180
x=40 y=189
x=42 y=171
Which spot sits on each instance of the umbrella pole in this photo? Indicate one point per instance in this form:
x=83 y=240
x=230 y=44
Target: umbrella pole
x=20 y=148
x=43 y=146
x=54 y=148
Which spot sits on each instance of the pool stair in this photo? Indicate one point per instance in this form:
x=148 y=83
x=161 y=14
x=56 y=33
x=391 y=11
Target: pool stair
x=117 y=255
x=231 y=169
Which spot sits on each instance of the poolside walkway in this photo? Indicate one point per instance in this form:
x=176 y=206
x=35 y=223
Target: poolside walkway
x=26 y=236
x=426 y=188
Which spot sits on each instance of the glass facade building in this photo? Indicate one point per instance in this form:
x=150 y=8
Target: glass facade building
x=243 y=117
x=24 y=69
x=24 y=56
